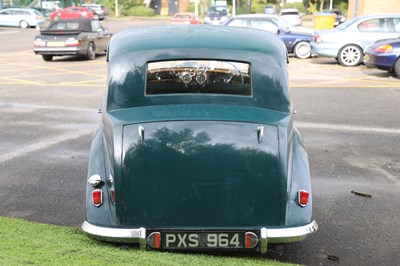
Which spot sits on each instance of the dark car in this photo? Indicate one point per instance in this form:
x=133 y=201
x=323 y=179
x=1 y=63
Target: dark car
x=384 y=54
x=339 y=16
x=296 y=42
x=99 y=11
x=197 y=149
x=216 y=15
x=84 y=37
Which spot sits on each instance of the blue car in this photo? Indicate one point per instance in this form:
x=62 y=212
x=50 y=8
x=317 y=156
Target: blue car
x=297 y=39
x=384 y=54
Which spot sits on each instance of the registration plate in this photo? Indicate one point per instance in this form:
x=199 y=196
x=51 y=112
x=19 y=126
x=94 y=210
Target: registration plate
x=201 y=240
x=55 y=44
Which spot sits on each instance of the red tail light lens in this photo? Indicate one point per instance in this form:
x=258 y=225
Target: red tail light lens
x=386 y=48
x=303 y=196
x=251 y=240
x=317 y=39
x=97 y=197
x=72 y=42
x=154 y=240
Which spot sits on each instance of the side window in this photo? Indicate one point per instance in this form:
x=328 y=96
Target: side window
x=374 y=25
x=264 y=25
x=238 y=23
x=396 y=23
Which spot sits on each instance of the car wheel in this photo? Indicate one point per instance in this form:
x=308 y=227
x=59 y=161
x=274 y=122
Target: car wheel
x=350 y=55
x=47 y=57
x=396 y=68
x=96 y=17
x=302 y=50
x=91 y=52
x=23 y=24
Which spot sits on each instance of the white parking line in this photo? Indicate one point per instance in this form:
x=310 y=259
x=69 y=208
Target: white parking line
x=42 y=144
x=347 y=128
x=8 y=32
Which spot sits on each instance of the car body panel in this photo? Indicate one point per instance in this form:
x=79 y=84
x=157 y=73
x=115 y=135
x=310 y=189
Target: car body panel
x=14 y=16
x=180 y=160
x=354 y=32
x=72 y=12
x=54 y=40
x=386 y=59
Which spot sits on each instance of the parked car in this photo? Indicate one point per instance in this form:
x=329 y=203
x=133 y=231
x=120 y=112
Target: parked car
x=72 y=12
x=384 y=54
x=296 y=42
x=269 y=9
x=216 y=15
x=99 y=11
x=339 y=16
x=84 y=37
x=348 y=41
x=185 y=19
x=291 y=15
x=196 y=122
x=21 y=17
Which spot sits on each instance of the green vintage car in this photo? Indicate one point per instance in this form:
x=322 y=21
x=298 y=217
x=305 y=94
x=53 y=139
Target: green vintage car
x=197 y=149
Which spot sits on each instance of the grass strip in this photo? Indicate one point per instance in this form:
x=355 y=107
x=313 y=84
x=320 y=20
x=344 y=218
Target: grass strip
x=28 y=243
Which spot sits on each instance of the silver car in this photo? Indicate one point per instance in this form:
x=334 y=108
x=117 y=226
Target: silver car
x=348 y=41
x=21 y=17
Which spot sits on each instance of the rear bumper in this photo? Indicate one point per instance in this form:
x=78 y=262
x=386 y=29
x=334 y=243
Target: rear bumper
x=60 y=51
x=138 y=235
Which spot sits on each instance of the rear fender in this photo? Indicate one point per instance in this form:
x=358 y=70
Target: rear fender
x=98 y=215
x=299 y=176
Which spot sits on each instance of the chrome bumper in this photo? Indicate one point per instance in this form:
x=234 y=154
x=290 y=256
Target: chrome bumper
x=138 y=235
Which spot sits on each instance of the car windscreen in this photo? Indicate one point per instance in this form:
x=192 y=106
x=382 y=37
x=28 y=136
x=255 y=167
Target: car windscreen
x=198 y=76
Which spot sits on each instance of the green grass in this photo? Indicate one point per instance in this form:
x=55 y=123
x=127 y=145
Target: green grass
x=27 y=243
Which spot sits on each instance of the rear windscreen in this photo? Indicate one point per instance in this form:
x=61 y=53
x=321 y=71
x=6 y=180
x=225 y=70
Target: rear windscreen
x=198 y=76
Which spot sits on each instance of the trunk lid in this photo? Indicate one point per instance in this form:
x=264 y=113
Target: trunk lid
x=201 y=174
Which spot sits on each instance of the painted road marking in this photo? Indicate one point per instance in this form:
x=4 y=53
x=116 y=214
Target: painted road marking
x=347 y=128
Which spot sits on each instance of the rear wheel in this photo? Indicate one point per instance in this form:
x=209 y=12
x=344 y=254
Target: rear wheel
x=23 y=24
x=47 y=57
x=91 y=52
x=302 y=50
x=396 y=68
x=96 y=17
x=350 y=55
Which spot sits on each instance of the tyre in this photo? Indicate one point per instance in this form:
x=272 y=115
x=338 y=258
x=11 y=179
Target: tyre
x=96 y=17
x=302 y=50
x=91 y=52
x=396 y=68
x=47 y=57
x=23 y=24
x=350 y=55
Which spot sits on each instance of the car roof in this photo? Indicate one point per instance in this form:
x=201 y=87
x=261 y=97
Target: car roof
x=131 y=50
x=256 y=16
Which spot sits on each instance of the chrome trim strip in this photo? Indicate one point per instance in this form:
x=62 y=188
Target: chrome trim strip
x=109 y=234
x=138 y=235
x=292 y=234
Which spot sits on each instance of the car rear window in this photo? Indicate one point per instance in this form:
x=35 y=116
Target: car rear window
x=198 y=76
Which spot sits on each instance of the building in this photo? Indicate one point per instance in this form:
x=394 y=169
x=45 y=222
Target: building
x=364 y=7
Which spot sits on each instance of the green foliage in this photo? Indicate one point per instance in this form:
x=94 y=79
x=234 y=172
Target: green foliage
x=140 y=11
x=25 y=243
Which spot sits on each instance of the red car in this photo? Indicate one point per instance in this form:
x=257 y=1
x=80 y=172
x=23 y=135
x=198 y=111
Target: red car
x=185 y=18
x=72 y=12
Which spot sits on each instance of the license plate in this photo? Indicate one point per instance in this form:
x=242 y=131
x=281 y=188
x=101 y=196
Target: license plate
x=201 y=240
x=55 y=44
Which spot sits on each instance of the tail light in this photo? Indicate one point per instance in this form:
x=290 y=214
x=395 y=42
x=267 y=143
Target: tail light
x=72 y=42
x=251 y=240
x=386 y=48
x=154 y=240
x=303 y=197
x=39 y=43
x=97 y=197
x=317 y=39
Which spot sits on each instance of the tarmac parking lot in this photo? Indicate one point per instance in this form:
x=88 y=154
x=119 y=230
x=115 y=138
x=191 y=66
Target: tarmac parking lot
x=349 y=118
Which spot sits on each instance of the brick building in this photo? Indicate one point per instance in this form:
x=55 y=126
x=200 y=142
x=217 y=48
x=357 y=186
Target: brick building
x=364 y=7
